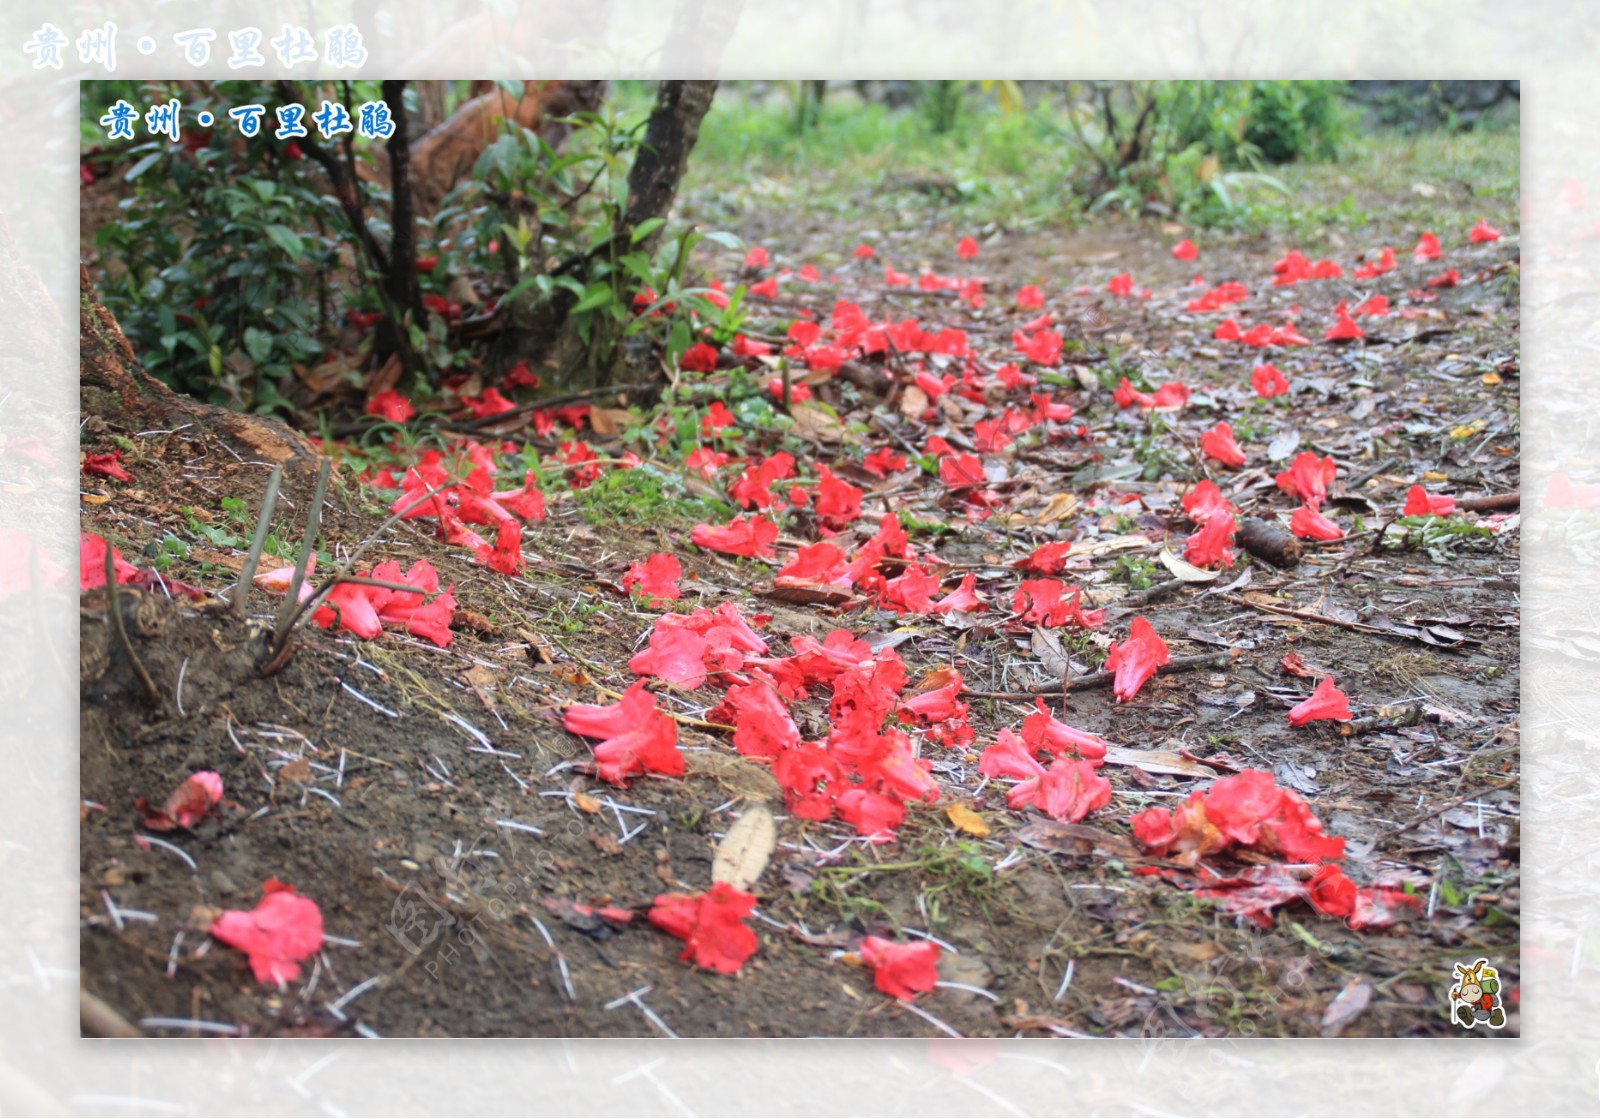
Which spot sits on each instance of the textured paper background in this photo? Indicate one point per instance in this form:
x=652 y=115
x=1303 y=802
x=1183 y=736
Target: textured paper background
x=1553 y=1070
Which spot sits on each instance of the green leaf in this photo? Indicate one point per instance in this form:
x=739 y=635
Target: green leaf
x=726 y=240
x=595 y=295
x=287 y=240
x=257 y=343
x=645 y=228
x=142 y=166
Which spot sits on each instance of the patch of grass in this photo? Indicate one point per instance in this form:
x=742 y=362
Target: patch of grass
x=646 y=495
x=1134 y=572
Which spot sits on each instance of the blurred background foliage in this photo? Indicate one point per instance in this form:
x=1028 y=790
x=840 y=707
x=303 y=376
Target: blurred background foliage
x=236 y=273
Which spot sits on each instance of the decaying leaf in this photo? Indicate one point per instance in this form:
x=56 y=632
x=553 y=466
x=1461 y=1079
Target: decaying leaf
x=1183 y=569
x=743 y=853
x=966 y=820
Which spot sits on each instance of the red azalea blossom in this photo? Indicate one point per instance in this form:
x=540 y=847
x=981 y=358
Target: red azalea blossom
x=744 y=347
x=1205 y=501
x=837 y=502
x=1326 y=702
x=283 y=929
x=1346 y=329
x=1446 y=279
x=766 y=289
x=910 y=592
x=763 y=725
x=1043 y=348
x=742 y=536
x=1212 y=545
x=1309 y=524
x=1308 y=478
x=1121 y=284
x=699 y=358
x=637 y=736
x=92 y=563
x=1067 y=791
x=1049 y=602
x=188 y=804
x=1268 y=381
x=1427 y=248
x=873 y=815
x=488 y=403
x=883 y=462
x=1043 y=731
x=390 y=405
x=1030 y=298
x=656 y=578
x=757 y=257
x=1421 y=503
x=706 y=462
x=956 y=471
x=753 y=489
x=966 y=248
x=864 y=252
x=1562 y=493
x=1046 y=559
x=1375 y=306
x=963 y=599
x=1483 y=231
x=716 y=418
x=815 y=563
x=901 y=971
x=1135 y=660
x=711 y=926
x=1218 y=443
x=1384 y=263
x=1185 y=250
x=107 y=465
x=799 y=392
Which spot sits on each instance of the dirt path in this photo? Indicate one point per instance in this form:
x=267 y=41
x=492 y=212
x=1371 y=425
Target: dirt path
x=432 y=805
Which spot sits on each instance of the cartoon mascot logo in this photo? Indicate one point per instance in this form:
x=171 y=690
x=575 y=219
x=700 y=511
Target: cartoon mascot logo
x=1475 y=999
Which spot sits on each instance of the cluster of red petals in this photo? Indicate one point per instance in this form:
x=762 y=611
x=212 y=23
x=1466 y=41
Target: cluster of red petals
x=1482 y=232
x=1294 y=268
x=1068 y=789
x=1373 y=269
x=637 y=736
x=711 y=925
x=1185 y=250
x=391 y=406
x=685 y=648
x=1244 y=810
x=1049 y=602
x=1345 y=328
x=1218 y=297
x=1172 y=394
x=365 y=610
x=1309 y=524
x=1212 y=546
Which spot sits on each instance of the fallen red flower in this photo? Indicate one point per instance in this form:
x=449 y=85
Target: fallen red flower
x=966 y=248
x=763 y=725
x=815 y=563
x=864 y=251
x=1212 y=546
x=1421 y=503
x=883 y=462
x=1427 y=248
x=1384 y=263
x=1067 y=791
x=283 y=929
x=1121 y=284
x=1205 y=501
x=1483 y=231
x=1185 y=250
x=1049 y=602
x=391 y=406
x=1043 y=731
x=1308 y=524
x=901 y=971
x=963 y=599
x=837 y=502
x=1218 y=443
x=1135 y=660
x=1326 y=702
x=1449 y=278
x=1346 y=329
x=742 y=536
x=188 y=804
x=757 y=257
x=1030 y=298
x=711 y=925
x=766 y=289
x=1042 y=348
x=874 y=816
x=699 y=358
x=1562 y=493
x=910 y=592
x=656 y=577
x=1247 y=810
x=1268 y=381
x=957 y=471
x=107 y=466
x=637 y=736
x=1308 y=478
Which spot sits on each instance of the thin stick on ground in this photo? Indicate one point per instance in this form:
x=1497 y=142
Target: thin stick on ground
x=1103 y=679
x=247 y=573
x=114 y=606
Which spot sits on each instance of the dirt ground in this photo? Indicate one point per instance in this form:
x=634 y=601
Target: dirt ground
x=430 y=802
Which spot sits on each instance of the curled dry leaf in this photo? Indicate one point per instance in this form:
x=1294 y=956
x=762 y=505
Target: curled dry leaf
x=743 y=853
x=1183 y=569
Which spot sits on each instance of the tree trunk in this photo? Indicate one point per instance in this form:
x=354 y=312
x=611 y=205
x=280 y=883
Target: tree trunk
x=669 y=137
x=405 y=292
x=446 y=153
x=113 y=387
